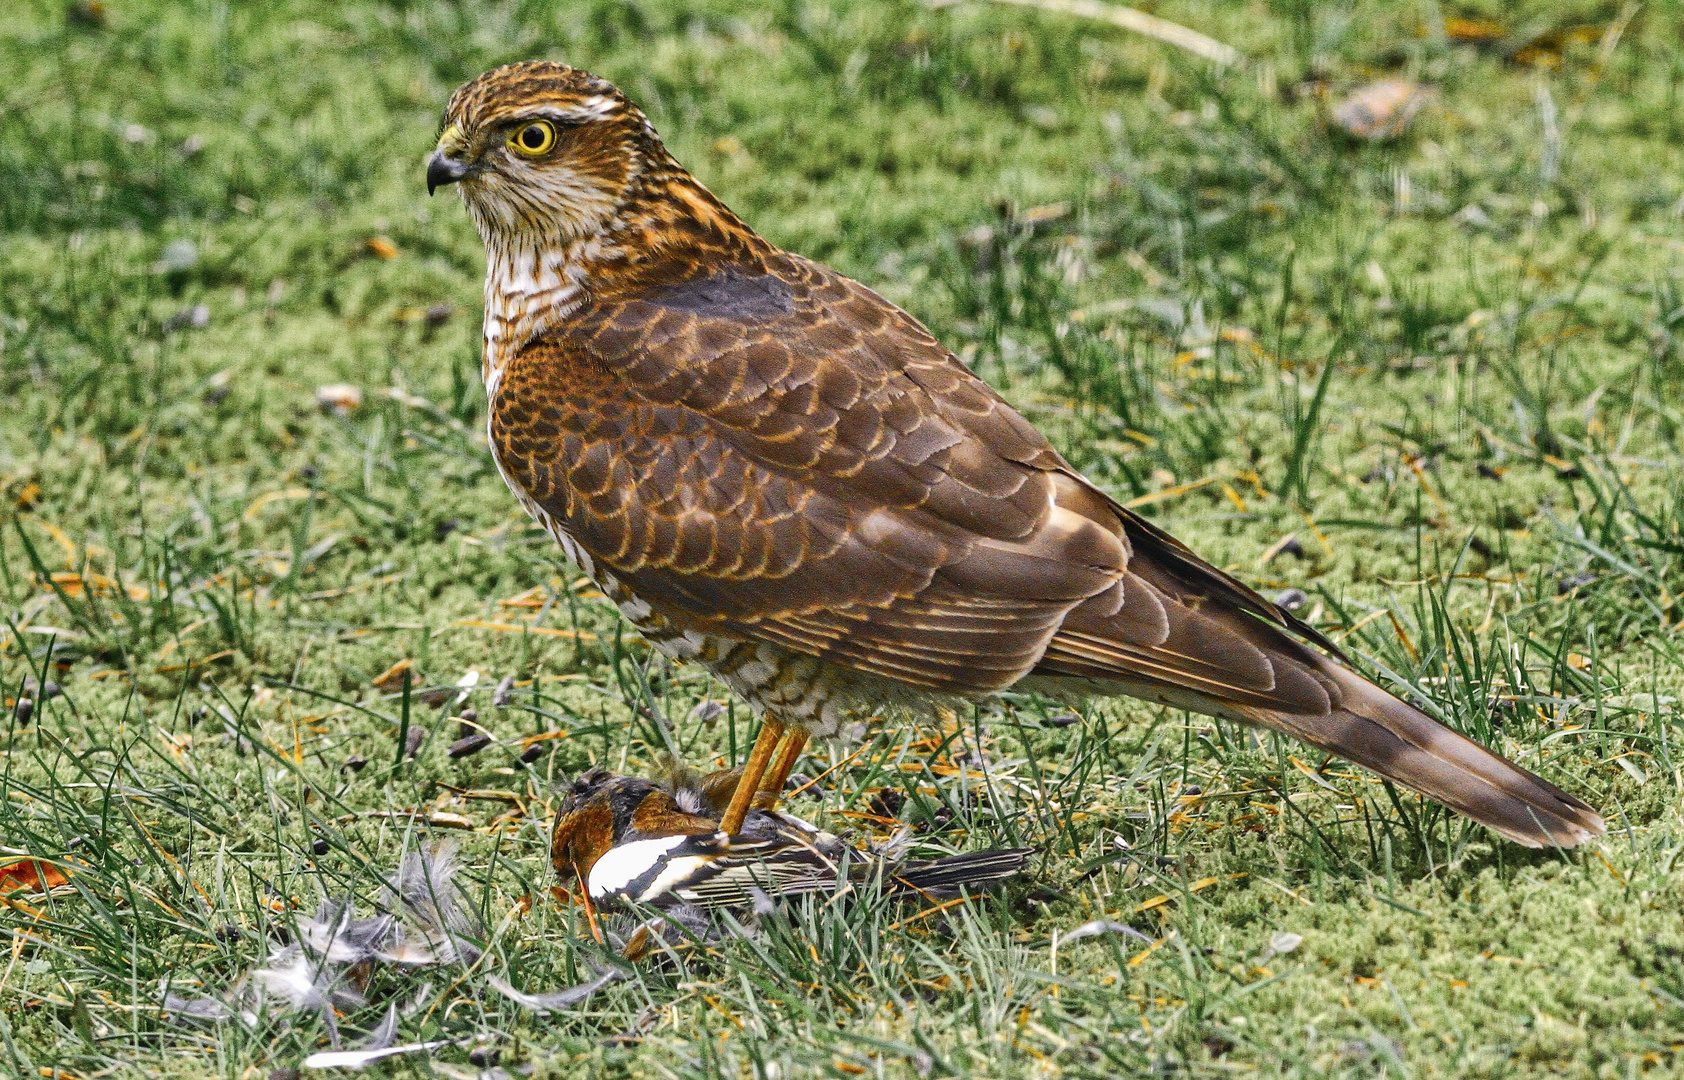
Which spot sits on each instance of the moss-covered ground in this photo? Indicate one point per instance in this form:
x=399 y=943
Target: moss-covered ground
x=1432 y=381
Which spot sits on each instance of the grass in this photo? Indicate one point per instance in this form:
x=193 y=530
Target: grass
x=1430 y=382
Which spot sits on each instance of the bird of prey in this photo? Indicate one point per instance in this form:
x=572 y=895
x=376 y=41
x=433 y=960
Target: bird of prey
x=778 y=474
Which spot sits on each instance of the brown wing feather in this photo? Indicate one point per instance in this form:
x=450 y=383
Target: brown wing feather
x=786 y=456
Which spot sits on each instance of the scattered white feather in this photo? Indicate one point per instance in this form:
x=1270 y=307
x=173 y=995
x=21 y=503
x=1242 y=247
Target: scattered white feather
x=385 y=1033
x=557 y=1000
x=335 y=936
x=361 y=1059
x=426 y=923
x=424 y=887
x=1102 y=926
x=203 y=1008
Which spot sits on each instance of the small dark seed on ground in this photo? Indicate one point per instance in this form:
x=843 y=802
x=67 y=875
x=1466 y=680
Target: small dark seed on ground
x=319 y=847
x=1568 y=584
x=86 y=13
x=484 y=1056
x=23 y=710
x=532 y=753
x=505 y=689
x=887 y=803
x=1490 y=472
x=355 y=762
x=1192 y=789
x=284 y=1074
x=228 y=932
x=471 y=745
x=1064 y=720
x=1217 y=1045
x=1292 y=599
x=413 y=744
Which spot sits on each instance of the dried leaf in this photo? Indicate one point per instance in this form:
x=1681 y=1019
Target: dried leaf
x=1380 y=110
x=31 y=874
x=390 y=681
x=1473 y=31
x=341 y=399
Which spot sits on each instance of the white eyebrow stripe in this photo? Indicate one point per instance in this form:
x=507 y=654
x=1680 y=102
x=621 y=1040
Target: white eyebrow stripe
x=597 y=107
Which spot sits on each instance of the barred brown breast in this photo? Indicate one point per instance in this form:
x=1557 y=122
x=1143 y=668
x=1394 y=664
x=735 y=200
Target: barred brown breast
x=776 y=472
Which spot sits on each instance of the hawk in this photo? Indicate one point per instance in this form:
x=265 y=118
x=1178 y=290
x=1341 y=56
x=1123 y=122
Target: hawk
x=778 y=474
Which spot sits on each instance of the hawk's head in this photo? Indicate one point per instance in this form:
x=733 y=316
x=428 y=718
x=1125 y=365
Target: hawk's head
x=541 y=150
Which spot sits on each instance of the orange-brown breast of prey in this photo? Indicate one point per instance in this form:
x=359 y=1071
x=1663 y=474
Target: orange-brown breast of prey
x=589 y=832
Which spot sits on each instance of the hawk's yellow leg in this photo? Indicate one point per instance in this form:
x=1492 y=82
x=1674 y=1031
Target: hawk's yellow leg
x=748 y=785
x=772 y=784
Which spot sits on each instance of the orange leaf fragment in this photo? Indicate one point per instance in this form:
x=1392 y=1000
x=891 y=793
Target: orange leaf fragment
x=390 y=681
x=1381 y=110
x=1476 y=31
x=31 y=874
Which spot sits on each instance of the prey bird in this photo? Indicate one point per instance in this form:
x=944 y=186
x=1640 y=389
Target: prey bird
x=624 y=838
x=778 y=474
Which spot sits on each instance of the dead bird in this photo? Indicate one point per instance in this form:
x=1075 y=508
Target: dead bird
x=624 y=838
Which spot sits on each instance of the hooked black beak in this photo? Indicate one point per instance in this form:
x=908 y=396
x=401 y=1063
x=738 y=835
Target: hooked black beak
x=442 y=170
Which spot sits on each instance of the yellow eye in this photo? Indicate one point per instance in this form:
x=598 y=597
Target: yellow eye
x=534 y=139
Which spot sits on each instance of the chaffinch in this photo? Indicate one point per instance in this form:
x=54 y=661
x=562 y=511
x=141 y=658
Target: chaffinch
x=625 y=839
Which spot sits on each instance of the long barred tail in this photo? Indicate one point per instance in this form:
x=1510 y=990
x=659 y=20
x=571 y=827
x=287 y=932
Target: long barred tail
x=973 y=869
x=1396 y=740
